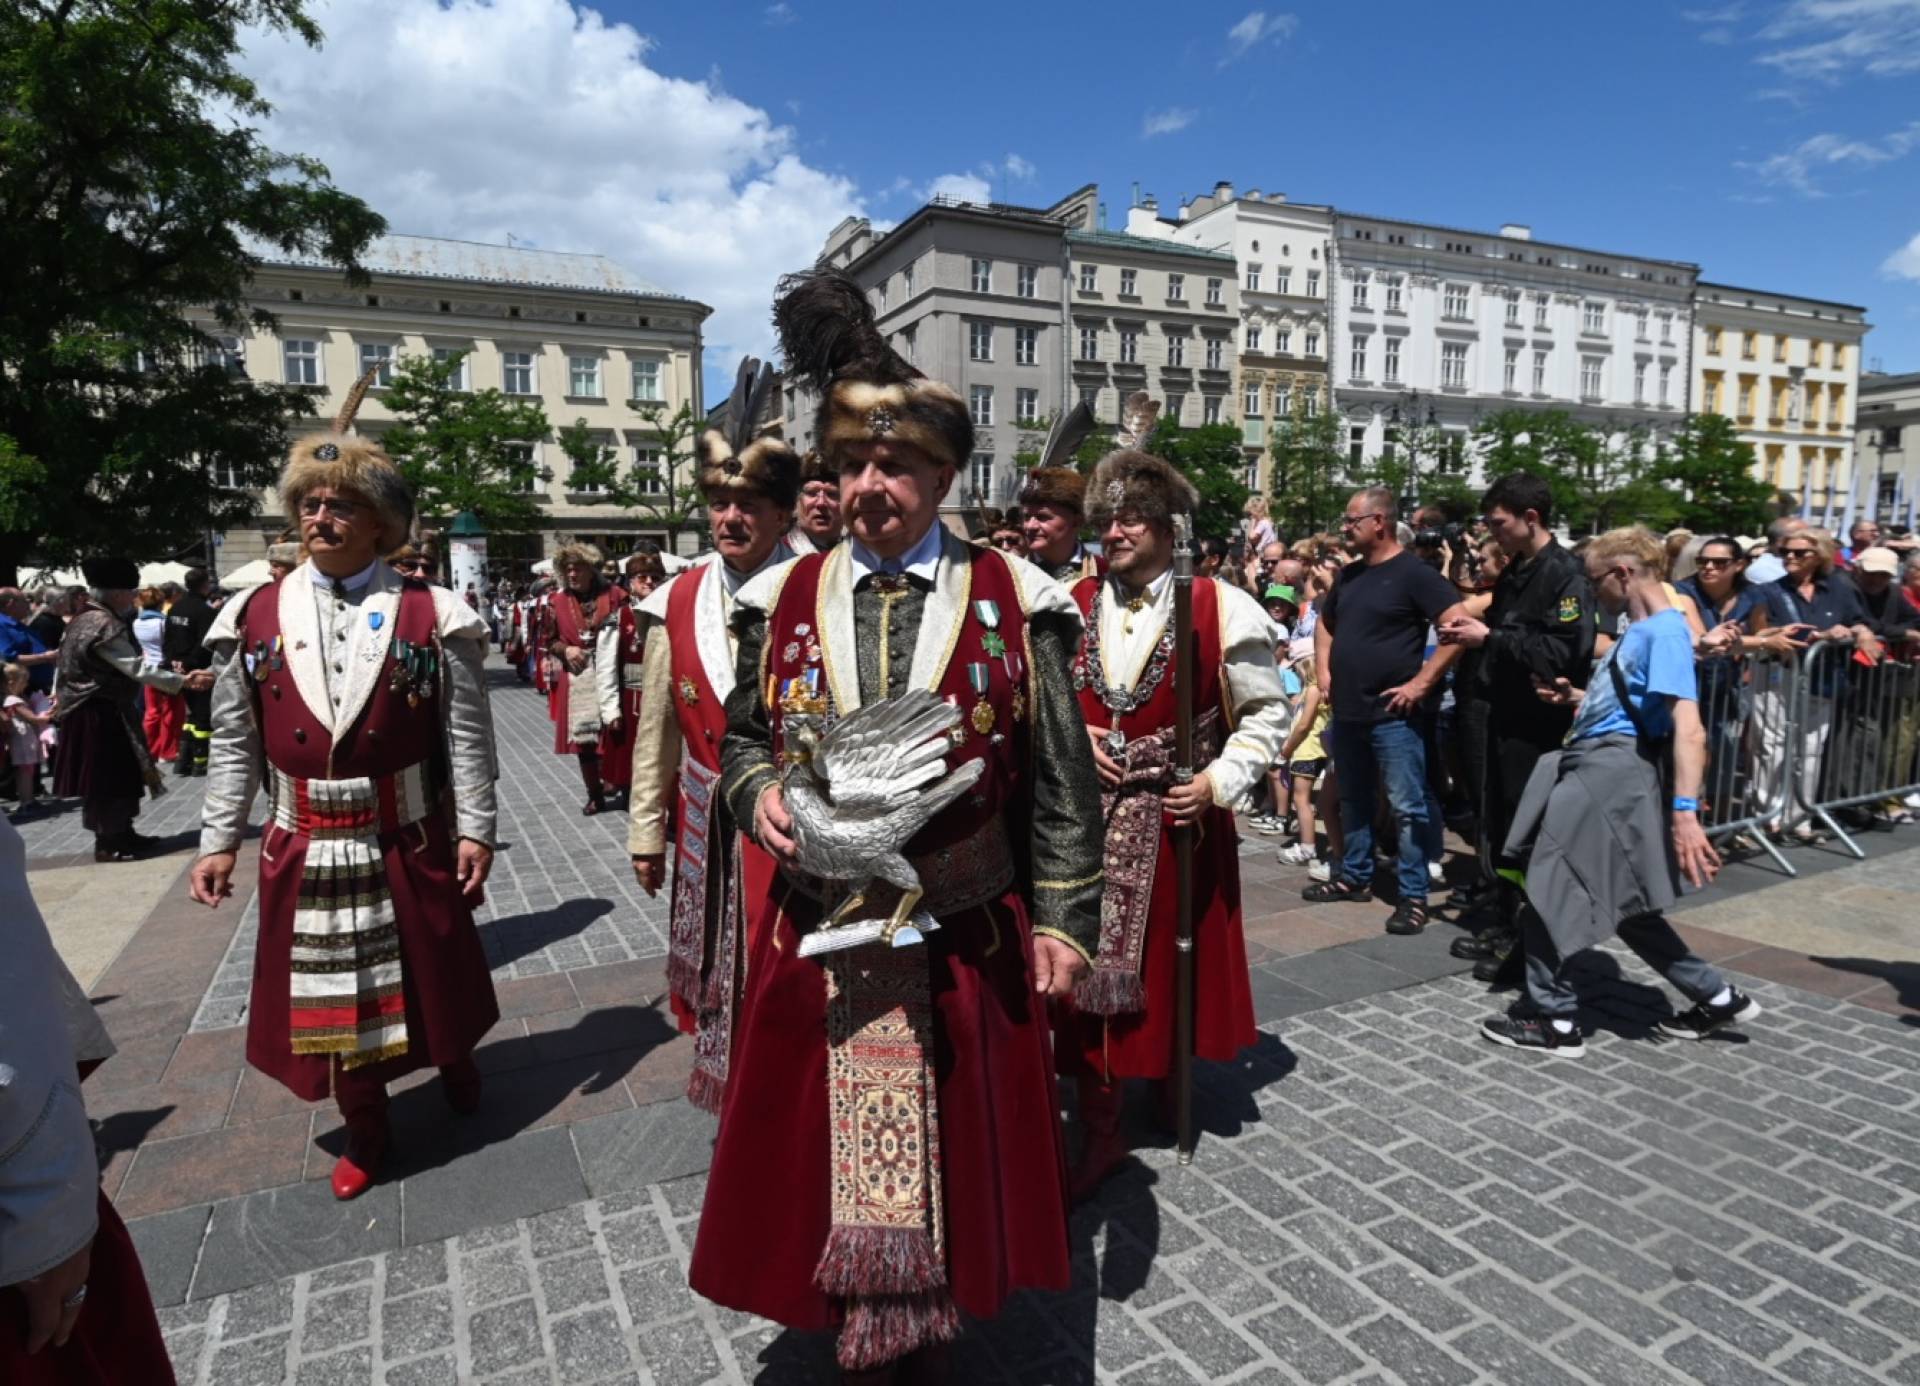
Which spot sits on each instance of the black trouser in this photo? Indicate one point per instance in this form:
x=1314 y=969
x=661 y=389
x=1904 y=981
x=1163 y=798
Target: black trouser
x=196 y=734
x=1511 y=754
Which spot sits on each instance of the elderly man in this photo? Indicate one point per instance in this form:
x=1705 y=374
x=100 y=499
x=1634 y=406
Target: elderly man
x=1863 y=535
x=1120 y=1023
x=103 y=750
x=1053 y=509
x=584 y=609
x=750 y=484
x=360 y=696
x=819 y=513
x=908 y=1091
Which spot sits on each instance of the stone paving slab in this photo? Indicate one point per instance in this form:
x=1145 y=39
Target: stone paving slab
x=1407 y=1204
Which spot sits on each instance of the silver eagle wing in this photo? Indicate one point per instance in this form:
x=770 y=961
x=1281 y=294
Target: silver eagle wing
x=882 y=752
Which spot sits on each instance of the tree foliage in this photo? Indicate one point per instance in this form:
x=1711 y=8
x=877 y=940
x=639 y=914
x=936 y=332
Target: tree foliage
x=1305 y=482
x=127 y=200
x=1210 y=457
x=464 y=449
x=1709 y=476
x=1597 y=482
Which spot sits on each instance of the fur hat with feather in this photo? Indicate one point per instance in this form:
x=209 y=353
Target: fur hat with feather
x=747 y=455
x=867 y=393
x=338 y=461
x=1132 y=480
x=1057 y=481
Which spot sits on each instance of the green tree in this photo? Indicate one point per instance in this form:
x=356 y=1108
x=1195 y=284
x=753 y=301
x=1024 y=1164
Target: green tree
x=131 y=184
x=667 y=481
x=464 y=449
x=1210 y=457
x=1597 y=483
x=1709 y=476
x=1308 y=467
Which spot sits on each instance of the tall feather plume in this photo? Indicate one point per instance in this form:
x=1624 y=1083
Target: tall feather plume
x=756 y=416
x=827 y=330
x=1069 y=431
x=1137 y=418
x=351 y=405
x=740 y=425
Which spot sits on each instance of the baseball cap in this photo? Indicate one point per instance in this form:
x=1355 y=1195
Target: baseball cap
x=1279 y=592
x=1877 y=560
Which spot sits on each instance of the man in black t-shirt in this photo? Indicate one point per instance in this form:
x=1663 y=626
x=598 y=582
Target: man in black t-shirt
x=1371 y=652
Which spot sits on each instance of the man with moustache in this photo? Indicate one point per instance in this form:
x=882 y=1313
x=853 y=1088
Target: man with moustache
x=580 y=613
x=1120 y=1022
x=889 y=1154
x=1053 y=507
x=819 y=513
x=750 y=483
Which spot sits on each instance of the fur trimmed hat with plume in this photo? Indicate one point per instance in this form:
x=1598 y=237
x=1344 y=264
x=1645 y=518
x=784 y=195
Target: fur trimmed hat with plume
x=740 y=457
x=358 y=466
x=867 y=393
x=1057 y=481
x=1129 y=479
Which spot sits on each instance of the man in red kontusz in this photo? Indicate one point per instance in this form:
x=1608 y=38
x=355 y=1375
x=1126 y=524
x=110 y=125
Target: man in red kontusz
x=359 y=696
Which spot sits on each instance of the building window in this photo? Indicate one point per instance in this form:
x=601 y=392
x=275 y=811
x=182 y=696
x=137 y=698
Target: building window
x=1214 y=353
x=1251 y=403
x=1640 y=324
x=1129 y=283
x=1176 y=349
x=457 y=357
x=523 y=470
x=1175 y=403
x=1309 y=402
x=1749 y=344
x=1283 y=341
x=1129 y=345
x=910 y=344
x=1026 y=405
x=1360 y=285
x=1590 y=377
x=1639 y=382
x=1510 y=369
x=1216 y=292
x=230 y=356
x=1026 y=281
x=1539 y=372
x=980 y=276
x=1090 y=396
x=1513 y=307
x=302 y=358
x=1253 y=337
x=1713 y=341
x=1313 y=344
x=980 y=404
x=583 y=377
x=1453 y=365
x=980 y=475
x=1210 y=409
x=649 y=477
x=1540 y=305
x=1089 y=344
x=1454 y=304
x=1176 y=288
x=1779 y=348
x=1089 y=279
x=1666 y=383
x=1283 y=280
x=1026 y=345
x=516 y=372
x=980 y=341
x=1390 y=368
x=1358 y=357
x=1666 y=327
x=1815 y=350
x=1393 y=295
x=906 y=281
x=1839 y=357
x=1593 y=317
x=1253 y=279
x=1356 y=446
x=1282 y=400
x=646 y=381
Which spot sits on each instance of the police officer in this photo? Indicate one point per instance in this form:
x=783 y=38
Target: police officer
x=188 y=621
x=1539 y=628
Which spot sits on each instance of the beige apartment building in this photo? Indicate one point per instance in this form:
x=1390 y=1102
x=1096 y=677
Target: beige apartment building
x=585 y=338
x=1786 y=370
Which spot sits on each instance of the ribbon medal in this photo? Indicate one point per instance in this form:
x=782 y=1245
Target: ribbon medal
x=957 y=733
x=278 y=660
x=376 y=619
x=982 y=715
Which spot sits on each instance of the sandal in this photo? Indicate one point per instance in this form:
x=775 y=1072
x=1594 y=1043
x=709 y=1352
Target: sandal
x=1340 y=891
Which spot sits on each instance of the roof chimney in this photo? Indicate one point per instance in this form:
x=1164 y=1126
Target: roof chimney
x=1253 y=194
x=1223 y=192
x=1151 y=203
x=1276 y=197
x=1186 y=210
x=1514 y=231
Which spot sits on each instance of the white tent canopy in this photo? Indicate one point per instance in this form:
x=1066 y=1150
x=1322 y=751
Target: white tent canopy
x=254 y=574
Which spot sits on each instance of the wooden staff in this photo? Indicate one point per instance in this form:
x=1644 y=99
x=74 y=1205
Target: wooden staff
x=1183 y=833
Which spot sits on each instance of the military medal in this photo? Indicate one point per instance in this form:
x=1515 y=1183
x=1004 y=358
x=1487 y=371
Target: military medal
x=376 y=619
x=957 y=733
x=982 y=715
x=1019 y=704
x=278 y=660
x=791 y=652
x=688 y=693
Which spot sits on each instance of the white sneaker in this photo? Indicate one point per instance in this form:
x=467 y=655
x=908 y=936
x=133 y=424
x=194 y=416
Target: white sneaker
x=1913 y=801
x=1436 y=873
x=1297 y=854
x=1320 y=871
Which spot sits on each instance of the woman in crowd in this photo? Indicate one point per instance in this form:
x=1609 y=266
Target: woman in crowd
x=164 y=711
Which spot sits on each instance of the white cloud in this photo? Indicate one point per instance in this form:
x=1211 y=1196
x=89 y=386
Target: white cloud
x=475 y=120
x=1717 y=25
x=1018 y=167
x=1800 y=167
x=1257 y=28
x=961 y=187
x=779 y=14
x=1904 y=263
x=1166 y=122
x=1834 y=39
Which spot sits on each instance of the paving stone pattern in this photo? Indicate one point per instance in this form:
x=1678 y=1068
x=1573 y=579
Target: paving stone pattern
x=1380 y=1197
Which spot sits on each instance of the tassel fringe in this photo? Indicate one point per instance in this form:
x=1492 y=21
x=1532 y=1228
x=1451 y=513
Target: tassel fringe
x=882 y=1330
x=861 y=1261
x=705 y=1090
x=1110 y=991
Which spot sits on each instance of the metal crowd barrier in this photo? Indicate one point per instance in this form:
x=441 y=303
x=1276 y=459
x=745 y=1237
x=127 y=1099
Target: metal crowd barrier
x=1860 y=724
x=1748 y=704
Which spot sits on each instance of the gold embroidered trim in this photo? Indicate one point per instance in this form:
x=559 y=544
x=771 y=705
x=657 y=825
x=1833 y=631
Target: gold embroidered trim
x=728 y=791
x=1069 y=885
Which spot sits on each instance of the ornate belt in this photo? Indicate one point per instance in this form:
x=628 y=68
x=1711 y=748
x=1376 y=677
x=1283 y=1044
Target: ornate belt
x=351 y=807
x=976 y=870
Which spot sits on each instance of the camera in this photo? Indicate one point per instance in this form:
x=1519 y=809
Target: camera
x=1433 y=537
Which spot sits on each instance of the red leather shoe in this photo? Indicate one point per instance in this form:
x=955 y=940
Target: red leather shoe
x=461 y=1083
x=359 y=1168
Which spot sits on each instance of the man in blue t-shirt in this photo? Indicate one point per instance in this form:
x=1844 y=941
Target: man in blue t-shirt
x=1604 y=845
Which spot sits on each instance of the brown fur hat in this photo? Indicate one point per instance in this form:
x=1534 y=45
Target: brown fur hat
x=1129 y=480
x=340 y=462
x=867 y=393
x=1061 y=486
x=814 y=468
x=575 y=551
x=747 y=455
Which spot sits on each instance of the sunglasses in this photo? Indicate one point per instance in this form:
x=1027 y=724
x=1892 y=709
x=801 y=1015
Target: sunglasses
x=1798 y=553
x=1715 y=562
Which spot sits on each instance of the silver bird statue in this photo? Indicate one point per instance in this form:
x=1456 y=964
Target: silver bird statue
x=857 y=792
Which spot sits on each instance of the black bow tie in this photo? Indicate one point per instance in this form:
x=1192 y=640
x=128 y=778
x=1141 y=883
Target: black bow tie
x=893 y=582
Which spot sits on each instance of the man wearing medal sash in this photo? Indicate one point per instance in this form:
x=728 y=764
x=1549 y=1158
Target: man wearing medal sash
x=1121 y=1022
x=359 y=696
x=750 y=483
x=889 y=1151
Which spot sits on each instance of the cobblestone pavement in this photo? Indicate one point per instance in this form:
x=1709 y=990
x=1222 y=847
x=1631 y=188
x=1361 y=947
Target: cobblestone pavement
x=1380 y=1197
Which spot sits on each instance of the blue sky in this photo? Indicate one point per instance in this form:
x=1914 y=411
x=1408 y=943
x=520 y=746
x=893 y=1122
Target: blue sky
x=1776 y=143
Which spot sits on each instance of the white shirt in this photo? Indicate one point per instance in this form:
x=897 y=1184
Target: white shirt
x=920 y=561
x=343 y=630
x=1261 y=713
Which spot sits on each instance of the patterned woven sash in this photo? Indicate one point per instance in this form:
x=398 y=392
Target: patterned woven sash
x=713 y=1035
x=886 y=1254
x=346 y=976
x=583 y=705
x=687 y=914
x=1132 y=811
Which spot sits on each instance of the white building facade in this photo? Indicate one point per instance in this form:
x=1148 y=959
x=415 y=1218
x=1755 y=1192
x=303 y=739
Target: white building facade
x=1445 y=327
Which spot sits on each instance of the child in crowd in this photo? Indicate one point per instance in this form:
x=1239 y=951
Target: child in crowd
x=1311 y=769
x=25 y=723
x=1281 y=604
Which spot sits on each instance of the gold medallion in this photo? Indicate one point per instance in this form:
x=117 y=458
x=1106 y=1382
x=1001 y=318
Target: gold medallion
x=1019 y=704
x=983 y=717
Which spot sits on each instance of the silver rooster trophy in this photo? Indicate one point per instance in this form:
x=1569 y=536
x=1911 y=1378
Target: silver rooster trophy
x=857 y=793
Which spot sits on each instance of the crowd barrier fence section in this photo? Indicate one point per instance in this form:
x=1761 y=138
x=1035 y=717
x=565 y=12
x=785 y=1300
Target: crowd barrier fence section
x=1748 y=704
x=1860 y=727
